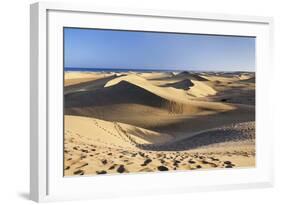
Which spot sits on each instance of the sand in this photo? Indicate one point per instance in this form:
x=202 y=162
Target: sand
x=158 y=121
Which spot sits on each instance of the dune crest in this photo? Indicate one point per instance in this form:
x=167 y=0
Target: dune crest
x=190 y=75
x=167 y=93
x=201 y=89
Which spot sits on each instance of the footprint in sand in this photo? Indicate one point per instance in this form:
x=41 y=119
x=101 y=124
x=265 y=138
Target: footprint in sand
x=112 y=167
x=191 y=161
x=86 y=164
x=228 y=164
x=146 y=170
x=121 y=169
x=104 y=161
x=79 y=172
x=176 y=162
x=162 y=168
x=101 y=172
x=146 y=162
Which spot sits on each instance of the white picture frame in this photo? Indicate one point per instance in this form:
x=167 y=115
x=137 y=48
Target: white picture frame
x=46 y=173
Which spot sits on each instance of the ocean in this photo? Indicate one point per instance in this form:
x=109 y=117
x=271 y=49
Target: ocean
x=117 y=70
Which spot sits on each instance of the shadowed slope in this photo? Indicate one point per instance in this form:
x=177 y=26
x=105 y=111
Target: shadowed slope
x=96 y=83
x=122 y=93
x=183 y=84
x=237 y=132
x=190 y=76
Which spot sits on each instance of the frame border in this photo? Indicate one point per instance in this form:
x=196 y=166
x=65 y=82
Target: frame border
x=39 y=189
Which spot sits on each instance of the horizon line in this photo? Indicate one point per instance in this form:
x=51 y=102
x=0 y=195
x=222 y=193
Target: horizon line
x=155 y=69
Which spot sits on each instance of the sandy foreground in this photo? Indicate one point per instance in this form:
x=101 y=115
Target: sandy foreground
x=158 y=121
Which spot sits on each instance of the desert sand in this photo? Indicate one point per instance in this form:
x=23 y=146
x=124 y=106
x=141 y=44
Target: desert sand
x=128 y=122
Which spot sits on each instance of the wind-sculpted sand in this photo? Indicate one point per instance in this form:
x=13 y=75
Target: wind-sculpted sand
x=158 y=121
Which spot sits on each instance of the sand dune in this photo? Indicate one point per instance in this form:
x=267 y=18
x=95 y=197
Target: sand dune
x=113 y=133
x=195 y=88
x=94 y=146
x=158 y=121
x=74 y=78
x=181 y=84
x=171 y=94
x=224 y=136
x=87 y=84
x=200 y=89
x=145 y=102
x=189 y=75
x=249 y=80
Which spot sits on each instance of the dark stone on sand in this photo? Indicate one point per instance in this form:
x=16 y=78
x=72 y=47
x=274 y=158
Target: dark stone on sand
x=66 y=168
x=228 y=166
x=121 y=169
x=198 y=166
x=162 y=168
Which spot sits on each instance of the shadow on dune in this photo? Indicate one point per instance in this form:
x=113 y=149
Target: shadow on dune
x=236 y=95
x=121 y=93
x=238 y=132
x=89 y=85
x=185 y=75
x=183 y=84
x=249 y=80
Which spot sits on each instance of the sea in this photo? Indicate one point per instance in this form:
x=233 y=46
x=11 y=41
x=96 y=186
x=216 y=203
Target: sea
x=118 y=70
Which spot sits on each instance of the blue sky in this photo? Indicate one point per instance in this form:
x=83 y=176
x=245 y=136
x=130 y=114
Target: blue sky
x=93 y=48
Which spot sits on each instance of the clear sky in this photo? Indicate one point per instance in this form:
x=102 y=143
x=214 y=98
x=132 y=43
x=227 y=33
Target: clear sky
x=93 y=48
